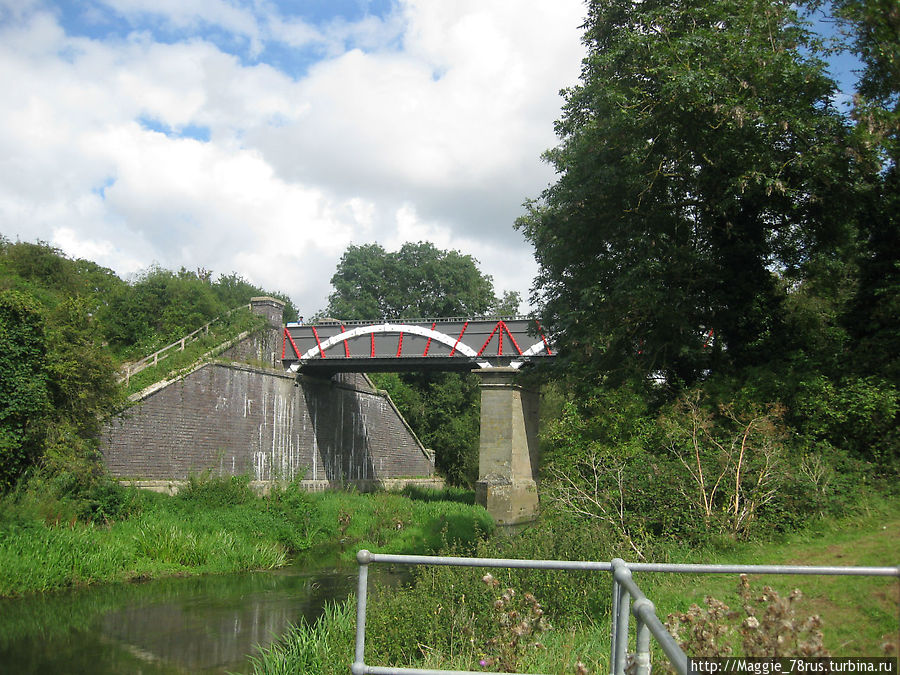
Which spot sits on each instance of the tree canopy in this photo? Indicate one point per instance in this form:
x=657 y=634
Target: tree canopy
x=65 y=325
x=419 y=280
x=703 y=174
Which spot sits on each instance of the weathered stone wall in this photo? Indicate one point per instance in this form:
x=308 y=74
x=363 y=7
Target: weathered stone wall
x=244 y=415
x=235 y=419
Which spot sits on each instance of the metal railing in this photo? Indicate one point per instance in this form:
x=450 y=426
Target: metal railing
x=130 y=369
x=624 y=589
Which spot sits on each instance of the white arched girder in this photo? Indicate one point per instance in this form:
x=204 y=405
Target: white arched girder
x=536 y=348
x=443 y=338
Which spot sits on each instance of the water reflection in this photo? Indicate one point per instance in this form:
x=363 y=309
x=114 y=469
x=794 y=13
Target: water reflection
x=192 y=625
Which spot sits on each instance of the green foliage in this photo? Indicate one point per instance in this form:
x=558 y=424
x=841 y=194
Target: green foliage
x=701 y=162
x=449 y=494
x=24 y=389
x=206 y=345
x=325 y=647
x=214 y=491
x=718 y=462
x=858 y=416
x=444 y=410
x=213 y=525
x=81 y=375
x=388 y=523
x=419 y=280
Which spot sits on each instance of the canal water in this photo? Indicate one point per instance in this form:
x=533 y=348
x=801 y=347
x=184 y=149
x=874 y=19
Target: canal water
x=208 y=624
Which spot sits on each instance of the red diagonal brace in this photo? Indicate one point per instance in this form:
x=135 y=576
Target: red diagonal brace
x=428 y=344
x=515 y=344
x=488 y=341
x=541 y=331
x=346 y=348
x=453 y=351
x=316 y=334
x=284 y=345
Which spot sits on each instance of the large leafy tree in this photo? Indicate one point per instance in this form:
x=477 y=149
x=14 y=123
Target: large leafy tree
x=871 y=31
x=419 y=280
x=702 y=171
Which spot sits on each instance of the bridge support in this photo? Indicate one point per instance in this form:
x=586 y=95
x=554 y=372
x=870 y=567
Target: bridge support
x=508 y=454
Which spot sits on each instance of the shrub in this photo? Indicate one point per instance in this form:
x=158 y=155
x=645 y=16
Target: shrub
x=216 y=491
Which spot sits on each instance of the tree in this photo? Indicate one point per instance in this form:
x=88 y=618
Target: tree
x=419 y=280
x=702 y=170
x=24 y=398
x=872 y=32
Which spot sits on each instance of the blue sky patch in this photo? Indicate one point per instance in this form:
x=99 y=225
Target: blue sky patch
x=101 y=189
x=195 y=131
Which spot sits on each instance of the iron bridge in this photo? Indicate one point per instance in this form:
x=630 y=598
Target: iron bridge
x=458 y=344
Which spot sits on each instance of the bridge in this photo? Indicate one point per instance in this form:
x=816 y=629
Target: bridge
x=458 y=344
x=494 y=347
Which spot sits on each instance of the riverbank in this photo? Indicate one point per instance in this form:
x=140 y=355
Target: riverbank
x=213 y=527
x=449 y=618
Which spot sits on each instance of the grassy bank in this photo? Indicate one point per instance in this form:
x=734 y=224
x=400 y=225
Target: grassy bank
x=448 y=619
x=215 y=526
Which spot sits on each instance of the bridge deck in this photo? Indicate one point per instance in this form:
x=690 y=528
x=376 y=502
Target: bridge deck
x=413 y=344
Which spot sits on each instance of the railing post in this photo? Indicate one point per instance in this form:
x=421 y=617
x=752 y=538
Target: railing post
x=642 y=634
x=359 y=659
x=613 y=624
x=620 y=571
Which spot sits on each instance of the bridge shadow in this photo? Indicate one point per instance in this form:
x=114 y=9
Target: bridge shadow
x=342 y=450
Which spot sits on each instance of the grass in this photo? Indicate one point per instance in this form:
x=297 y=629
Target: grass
x=390 y=523
x=220 y=332
x=313 y=648
x=219 y=526
x=446 y=620
x=860 y=614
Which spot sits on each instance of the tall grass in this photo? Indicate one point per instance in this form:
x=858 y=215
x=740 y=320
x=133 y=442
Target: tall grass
x=447 y=618
x=323 y=647
x=218 y=526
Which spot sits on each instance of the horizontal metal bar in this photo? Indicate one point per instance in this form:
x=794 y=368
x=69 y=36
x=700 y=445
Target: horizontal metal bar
x=484 y=562
x=642 y=607
x=420 y=319
x=764 y=569
x=634 y=567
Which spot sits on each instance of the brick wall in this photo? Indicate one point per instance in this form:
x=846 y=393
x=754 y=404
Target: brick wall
x=235 y=419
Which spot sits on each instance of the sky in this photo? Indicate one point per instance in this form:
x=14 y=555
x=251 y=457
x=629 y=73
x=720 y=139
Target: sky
x=263 y=137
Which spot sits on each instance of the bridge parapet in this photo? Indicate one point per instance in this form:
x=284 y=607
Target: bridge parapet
x=455 y=343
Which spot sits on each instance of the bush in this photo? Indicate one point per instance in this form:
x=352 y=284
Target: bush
x=215 y=491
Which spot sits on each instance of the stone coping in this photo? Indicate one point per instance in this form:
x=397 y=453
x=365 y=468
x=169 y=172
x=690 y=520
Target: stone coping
x=171 y=487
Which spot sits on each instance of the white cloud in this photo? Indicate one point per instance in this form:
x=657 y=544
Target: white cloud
x=433 y=136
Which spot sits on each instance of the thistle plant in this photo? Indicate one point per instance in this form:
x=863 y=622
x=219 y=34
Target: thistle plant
x=520 y=623
x=767 y=625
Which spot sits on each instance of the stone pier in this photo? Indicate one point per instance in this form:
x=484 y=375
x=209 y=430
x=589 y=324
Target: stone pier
x=508 y=454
